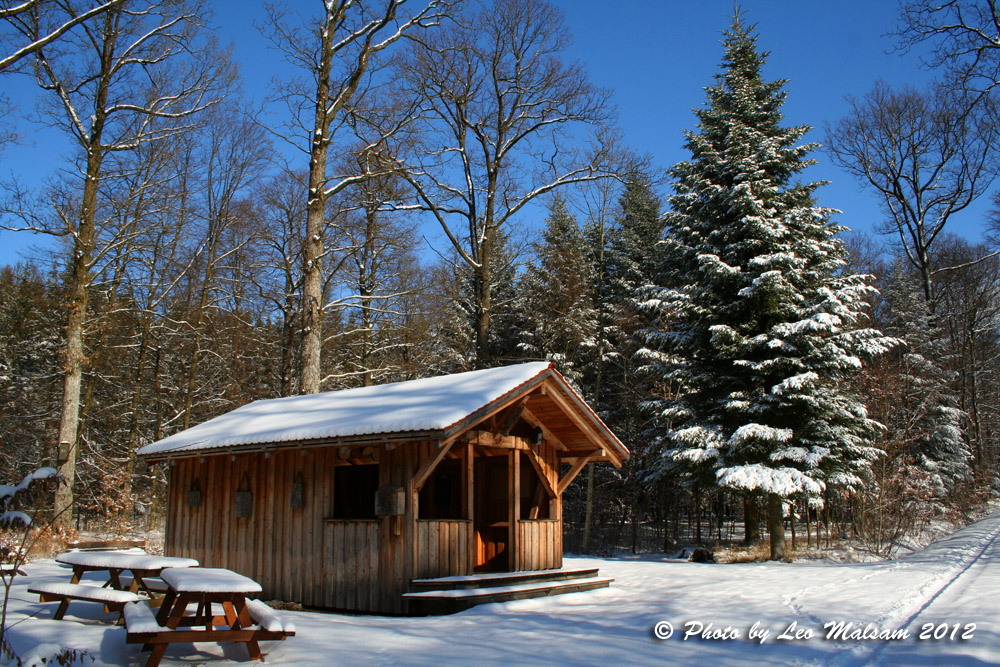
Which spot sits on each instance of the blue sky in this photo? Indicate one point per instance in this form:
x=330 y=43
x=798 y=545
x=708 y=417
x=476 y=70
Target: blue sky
x=657 y=55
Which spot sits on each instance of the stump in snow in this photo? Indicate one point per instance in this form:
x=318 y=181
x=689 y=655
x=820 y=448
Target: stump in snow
x=702 y=555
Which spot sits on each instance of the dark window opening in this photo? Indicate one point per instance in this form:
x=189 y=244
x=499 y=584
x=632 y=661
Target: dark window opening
x=354 y=490
x=534 y=498
x=441 y=497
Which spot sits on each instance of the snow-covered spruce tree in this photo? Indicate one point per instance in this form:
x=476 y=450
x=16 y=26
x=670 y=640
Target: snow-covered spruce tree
x=927 y=417
x=630 y=260
x=753 y=323
x=555 y=306
x=455 y=333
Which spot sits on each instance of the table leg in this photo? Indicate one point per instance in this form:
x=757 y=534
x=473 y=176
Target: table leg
x=62 y=609
x=165 y=607
x=77 y=573
x=177 y=613
x=241 y=619
x=253 y=648
x=156 y=655
x=232 y=618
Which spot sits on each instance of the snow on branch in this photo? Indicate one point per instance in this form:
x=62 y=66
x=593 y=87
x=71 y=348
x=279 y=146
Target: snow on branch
x=749 y=432
x=781 y=481
x=795 y=383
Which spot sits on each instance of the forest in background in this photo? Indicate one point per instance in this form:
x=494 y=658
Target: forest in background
x=198 y=268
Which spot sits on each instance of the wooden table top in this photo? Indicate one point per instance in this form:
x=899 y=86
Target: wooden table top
x=123 y=560
x=209 y=580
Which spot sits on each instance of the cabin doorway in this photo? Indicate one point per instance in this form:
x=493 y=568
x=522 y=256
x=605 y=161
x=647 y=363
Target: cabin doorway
x=492 y=514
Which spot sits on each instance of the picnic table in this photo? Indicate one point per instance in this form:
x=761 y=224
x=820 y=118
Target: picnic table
x=242 y=620
x=118 y=590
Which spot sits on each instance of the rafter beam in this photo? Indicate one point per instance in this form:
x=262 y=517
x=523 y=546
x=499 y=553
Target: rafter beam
x=583 y=424
x=511 y=418
x=549 y=436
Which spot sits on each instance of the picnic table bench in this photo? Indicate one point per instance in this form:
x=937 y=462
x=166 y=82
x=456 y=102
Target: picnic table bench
x=62 y=593
x=119 y=589
x=242 y=620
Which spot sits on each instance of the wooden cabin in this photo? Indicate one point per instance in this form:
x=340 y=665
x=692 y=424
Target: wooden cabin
x=338 y=500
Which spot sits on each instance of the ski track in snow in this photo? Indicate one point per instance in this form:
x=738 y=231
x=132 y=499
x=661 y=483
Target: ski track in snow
x=906 y=613
x=799 y=609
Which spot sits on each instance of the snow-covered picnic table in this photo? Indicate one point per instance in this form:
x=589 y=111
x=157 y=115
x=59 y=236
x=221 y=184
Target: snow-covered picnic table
x=117 y=590
x=115 y=563
x=242 y=620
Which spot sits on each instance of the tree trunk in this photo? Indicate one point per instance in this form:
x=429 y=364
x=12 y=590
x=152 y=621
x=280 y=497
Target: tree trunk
x=697 y=515
x=366 y=289
x=751 y=520
x=312 y=285
x=588 y=514
x=75 y=354
x=791 y=524
x=808 y=526
x=484 y=300
x=776 y=526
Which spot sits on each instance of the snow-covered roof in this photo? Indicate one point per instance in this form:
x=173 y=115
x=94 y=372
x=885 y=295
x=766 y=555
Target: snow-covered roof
x=416 y=406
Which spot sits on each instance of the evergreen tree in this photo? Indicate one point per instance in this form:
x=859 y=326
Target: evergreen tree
x=753 y=323
x=632 y=257
x=634 y=249
x=927 y=416
x=556 y=300
x=455 y=334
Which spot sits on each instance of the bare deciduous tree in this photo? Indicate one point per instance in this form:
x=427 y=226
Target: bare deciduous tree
x=378 y=276
x=232 y=155
x=133 y=75
x=964 y=39
x=503 y=120
x=339 y=52
x=925 y=156
x=65 y=18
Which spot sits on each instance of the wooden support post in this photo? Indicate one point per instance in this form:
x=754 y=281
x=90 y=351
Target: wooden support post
x=514 y=476
x=470 y=503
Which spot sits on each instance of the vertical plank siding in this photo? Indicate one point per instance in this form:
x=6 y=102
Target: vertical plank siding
x=305 y=556
x=277 y=546
x=354 y=547
x=539 y=544
x=443 y=548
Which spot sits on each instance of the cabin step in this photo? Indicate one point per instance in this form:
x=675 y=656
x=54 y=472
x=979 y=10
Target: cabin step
x=437 y=602
x=490 y=579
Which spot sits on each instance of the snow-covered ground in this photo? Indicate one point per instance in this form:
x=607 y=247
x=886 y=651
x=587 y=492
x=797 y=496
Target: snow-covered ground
x=950 y=588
